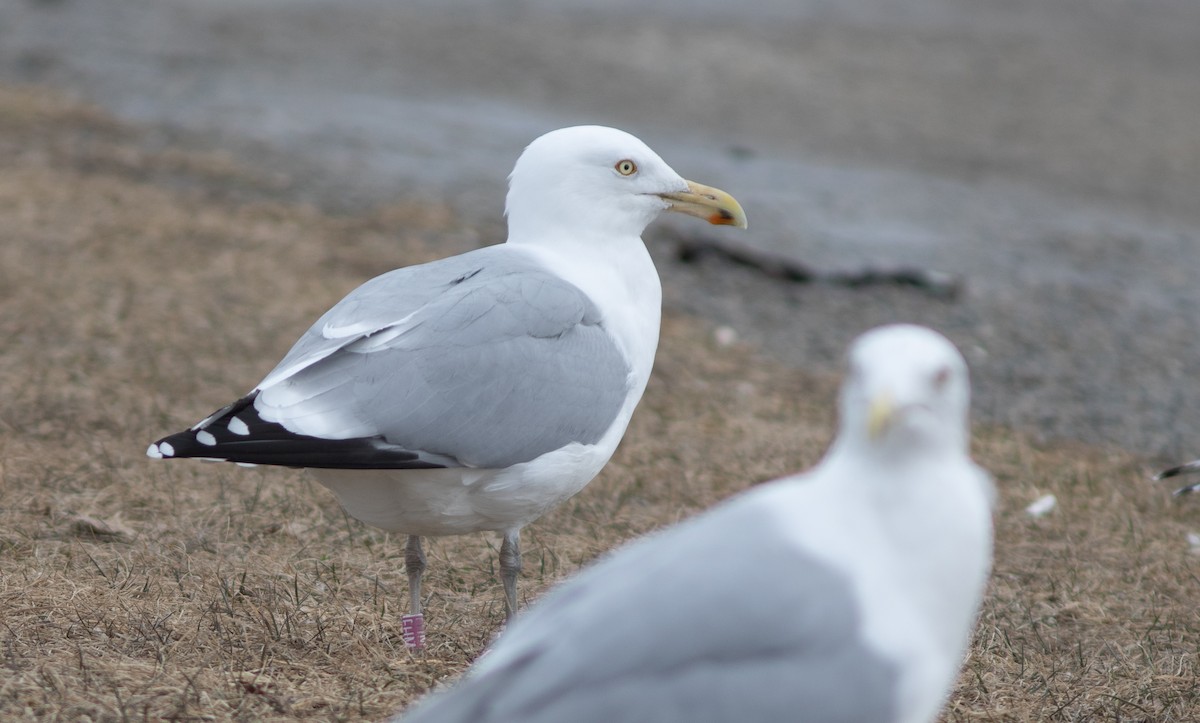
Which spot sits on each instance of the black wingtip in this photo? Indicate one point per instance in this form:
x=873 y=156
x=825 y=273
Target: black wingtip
x=1189 y=468
x=1179 y=470
x=237 y=434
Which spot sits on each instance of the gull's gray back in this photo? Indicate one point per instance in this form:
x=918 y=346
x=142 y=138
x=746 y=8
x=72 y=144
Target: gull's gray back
x=703 y=623
x=484 y=359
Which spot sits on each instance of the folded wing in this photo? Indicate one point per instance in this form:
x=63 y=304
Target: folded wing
x=482 y=360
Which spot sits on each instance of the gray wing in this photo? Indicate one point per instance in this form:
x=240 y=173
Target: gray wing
x=388 y=301
x=711 y=621
x=485 y=359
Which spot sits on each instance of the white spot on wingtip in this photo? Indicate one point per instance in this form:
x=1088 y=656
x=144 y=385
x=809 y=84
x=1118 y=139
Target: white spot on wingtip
x=238 y=427
x=153 y=453
x=245 y=464
x=166 y=449
x=206 y=438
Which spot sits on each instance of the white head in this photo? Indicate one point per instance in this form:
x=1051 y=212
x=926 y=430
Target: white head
x=591 y=178
x=906 y=390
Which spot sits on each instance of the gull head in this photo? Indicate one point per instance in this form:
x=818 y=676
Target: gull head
x=597 y=180
x=906 y=391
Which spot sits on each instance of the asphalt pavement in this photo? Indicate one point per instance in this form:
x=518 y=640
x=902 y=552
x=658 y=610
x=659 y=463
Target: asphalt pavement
x=1047 y=155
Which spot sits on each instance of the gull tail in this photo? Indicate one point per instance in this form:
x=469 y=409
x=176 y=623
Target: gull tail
x=237 y=433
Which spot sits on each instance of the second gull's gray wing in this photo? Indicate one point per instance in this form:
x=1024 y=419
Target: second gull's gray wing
x=702 y=623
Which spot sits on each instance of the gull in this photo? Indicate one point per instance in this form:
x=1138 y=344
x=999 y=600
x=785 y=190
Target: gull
x=1183 y=469
x=848 y=593
x=476 y=392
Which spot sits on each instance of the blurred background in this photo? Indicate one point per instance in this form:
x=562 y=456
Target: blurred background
x=1046 y=154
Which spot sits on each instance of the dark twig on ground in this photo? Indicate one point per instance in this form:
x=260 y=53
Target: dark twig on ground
x=691 y=249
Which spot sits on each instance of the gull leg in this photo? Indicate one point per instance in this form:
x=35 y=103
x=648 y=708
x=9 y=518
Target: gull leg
x=412 y=626
x=510 y=569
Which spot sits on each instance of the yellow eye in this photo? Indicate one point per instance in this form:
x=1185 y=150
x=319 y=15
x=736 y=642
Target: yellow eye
x=626 y=167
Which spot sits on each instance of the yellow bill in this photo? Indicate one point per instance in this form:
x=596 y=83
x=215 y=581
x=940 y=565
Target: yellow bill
x=711 y=204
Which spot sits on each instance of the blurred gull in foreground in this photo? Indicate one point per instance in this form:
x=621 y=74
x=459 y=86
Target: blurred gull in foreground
x=476 y=392
x=845 y=594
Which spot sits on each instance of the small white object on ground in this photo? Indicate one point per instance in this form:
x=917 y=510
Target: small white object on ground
x=1193 y=540
x=1042 y=506
x=725 y=336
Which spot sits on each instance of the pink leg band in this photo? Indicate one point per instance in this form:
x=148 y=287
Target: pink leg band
x=412 y=627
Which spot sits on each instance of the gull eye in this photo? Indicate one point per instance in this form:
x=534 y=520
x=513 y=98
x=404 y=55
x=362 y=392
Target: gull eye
x=941 y=378
x=626 y=167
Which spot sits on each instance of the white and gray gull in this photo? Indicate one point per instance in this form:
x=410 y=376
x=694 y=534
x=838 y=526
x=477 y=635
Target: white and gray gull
x=1192 y=467
x=478 y=391
x=848 y=593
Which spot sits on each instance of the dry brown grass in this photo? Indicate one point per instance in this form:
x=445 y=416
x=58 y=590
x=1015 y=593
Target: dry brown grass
x=135 y=298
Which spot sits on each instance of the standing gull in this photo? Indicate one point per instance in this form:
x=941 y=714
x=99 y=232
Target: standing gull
x=845 y=594
x=478 y=391
x=1192 y=467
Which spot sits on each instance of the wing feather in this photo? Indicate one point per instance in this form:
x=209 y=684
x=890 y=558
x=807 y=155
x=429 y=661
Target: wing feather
x=485 y=360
